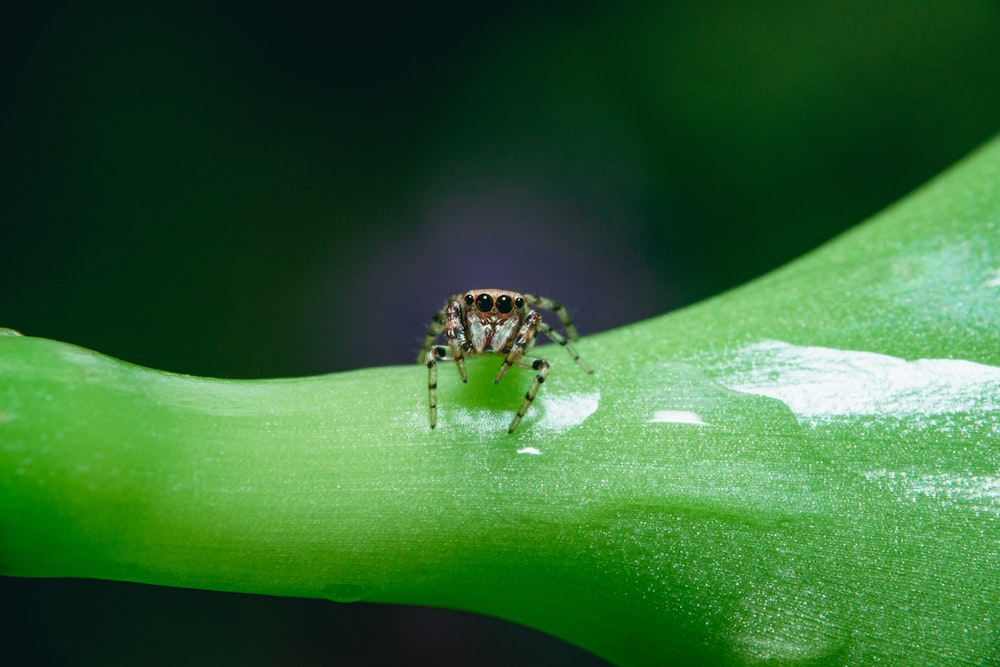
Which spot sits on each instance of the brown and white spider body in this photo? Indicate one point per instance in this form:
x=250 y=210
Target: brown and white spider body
x=493 y=321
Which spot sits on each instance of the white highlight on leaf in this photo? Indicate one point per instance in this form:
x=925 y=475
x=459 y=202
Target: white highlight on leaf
x=558 y=414
x=566 y=411
x=994 y=281
x=821 y=382
x=677 y=417
x=529 y=450
x=980 y=493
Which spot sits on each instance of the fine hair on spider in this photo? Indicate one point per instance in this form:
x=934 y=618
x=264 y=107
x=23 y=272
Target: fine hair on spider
x=494 y=321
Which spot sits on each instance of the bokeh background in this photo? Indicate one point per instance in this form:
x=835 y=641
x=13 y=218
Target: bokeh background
x=262 y=190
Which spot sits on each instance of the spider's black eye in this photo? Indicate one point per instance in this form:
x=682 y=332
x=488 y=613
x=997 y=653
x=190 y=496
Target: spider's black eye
x=519 y=303
x=504 y=304
x=484 y=303
x=469 y=299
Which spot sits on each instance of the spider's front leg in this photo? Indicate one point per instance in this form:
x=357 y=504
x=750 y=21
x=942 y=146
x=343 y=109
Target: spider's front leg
x=434 y=354
x=521 y=343
x=454 y=331
x=451 y=316
x=448 y=320
x=542 y=367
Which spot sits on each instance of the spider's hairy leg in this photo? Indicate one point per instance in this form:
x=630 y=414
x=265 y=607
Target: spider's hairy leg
x=434 y=354
x=455 y=333
x=542 y=367
x=458 y=356
x=521 y=342
x=434 y=329
x=557 y=308
x=557 y=337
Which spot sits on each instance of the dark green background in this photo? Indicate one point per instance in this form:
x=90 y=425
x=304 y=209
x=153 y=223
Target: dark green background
x=249 y=190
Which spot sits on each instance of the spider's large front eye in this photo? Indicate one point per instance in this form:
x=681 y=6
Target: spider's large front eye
x=484 y=303
x=504 y=304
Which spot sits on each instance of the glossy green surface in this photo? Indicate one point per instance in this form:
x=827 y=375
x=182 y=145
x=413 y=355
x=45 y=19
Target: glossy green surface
x=805 y=470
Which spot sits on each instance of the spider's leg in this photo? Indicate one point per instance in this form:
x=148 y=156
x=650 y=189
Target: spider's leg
x=454 y=331
x=559 y=338
x=558 y=309
x=542 y=367
x=520 y=343
x=434 y=354
x=434 y=329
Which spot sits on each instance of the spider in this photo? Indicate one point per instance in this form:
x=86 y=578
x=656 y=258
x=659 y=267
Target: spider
x=494 y=321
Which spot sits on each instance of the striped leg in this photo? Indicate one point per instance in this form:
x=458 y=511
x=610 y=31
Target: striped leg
x=434 y=329
x=542 y=367
x=448 y=320
x=525 y=335
x=455 y=334
x=558 y=309
x=557 y=337
x=434 y=355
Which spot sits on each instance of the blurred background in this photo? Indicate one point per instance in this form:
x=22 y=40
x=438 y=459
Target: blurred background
x=263 y=190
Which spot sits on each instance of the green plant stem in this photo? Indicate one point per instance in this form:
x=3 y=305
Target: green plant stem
x=805 y=470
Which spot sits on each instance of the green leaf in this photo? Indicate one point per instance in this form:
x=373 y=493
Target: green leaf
x=805 y=470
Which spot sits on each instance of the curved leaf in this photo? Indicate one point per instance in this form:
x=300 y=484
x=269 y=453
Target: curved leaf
x=805 y=470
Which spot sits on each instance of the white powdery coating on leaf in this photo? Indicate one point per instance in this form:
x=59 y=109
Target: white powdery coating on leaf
x=826 y=382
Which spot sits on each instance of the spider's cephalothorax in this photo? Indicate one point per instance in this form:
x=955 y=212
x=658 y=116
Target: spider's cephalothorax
x=497 y=321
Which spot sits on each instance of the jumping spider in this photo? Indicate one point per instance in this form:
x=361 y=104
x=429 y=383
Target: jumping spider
x=494 y=321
